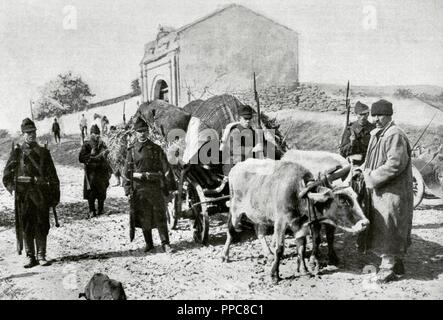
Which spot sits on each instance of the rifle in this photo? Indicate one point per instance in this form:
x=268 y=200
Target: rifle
x=18 y=220
x=348 y=111
x=88 y=185
x=424 y=130
x=54 y=210
x=348 y=105
x=258 y=103
x=132 y=199
x=124 y=115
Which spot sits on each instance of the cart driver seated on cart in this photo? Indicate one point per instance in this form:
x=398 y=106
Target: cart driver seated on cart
x=240 y=141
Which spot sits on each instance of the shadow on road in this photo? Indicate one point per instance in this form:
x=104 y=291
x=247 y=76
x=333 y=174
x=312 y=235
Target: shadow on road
x=100 y=256
x=424 y=260
x=20 y=275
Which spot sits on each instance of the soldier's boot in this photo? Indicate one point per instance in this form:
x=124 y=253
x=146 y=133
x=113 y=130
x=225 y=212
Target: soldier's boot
x=92 y=212
x=30 y=262
x=399 y=268
x=101 y=204
x=30 y=252
x=147 y=234
x=386 y=272
x=41 y=251
x=164 y=238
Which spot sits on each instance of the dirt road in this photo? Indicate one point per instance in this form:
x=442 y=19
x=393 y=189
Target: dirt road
x=81 y=247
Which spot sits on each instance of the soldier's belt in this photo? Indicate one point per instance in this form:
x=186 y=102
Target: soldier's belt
x=150 y=175
x=31 y=180
x=25 y=179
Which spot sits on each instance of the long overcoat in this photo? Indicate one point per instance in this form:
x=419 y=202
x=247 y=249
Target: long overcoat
x=34 y=198
x=149 y=204
x=388 y=177
x=97 y=170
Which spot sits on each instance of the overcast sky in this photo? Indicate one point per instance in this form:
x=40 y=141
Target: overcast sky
x=368 y=42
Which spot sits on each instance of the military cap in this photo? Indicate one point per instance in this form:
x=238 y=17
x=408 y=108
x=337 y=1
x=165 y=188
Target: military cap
x=361 y=108
x=140 y=124
x=95 y=129
x=381 y=108
x=245 y=112
x=28 y=125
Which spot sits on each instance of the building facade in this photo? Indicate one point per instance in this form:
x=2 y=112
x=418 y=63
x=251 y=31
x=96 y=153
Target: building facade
x=218 y=54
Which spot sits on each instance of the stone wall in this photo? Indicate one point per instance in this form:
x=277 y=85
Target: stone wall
x=304 y=96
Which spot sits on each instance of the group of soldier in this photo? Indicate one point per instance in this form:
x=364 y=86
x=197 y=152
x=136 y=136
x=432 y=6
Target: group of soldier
x=380 y=151
x=31 y=176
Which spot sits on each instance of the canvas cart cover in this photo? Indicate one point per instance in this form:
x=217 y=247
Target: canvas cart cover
x=216 y=114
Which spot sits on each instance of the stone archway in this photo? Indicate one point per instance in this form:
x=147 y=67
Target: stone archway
x=161 y=90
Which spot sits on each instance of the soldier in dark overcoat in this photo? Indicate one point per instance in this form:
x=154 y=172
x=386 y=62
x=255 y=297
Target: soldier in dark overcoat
x=148 y=180
x=93 y=155
x=31 y=174
x=355 y=139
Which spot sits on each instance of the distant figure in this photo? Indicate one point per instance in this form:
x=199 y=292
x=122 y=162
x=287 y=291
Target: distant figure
x=93 y=155
x=104 y=124
x=83 y=127
x=56 y=130
x=97 y=120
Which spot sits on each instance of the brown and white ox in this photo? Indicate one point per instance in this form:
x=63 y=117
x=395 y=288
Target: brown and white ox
x=268 y=193
x=319 y=162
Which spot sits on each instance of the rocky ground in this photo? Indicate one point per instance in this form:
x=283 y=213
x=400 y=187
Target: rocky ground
x=82 y=247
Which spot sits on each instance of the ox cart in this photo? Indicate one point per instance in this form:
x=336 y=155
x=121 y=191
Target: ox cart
x=203 y=189
x=427 y=171
x=202 y=192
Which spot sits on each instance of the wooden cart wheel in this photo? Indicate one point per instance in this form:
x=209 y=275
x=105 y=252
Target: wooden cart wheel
x=201 y=223
x=418 y=186
x=172 y=212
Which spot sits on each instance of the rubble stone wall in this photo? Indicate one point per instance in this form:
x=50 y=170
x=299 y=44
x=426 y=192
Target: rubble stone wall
x=304 y=96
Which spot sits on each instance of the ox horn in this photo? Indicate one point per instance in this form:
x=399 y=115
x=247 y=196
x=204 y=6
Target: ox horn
x=322 y=196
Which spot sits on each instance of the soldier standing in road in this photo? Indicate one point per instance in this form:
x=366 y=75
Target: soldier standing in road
x=148 y=180
x=31 y=174
x=388 y=176
x=83 y=127
x=356 y=137
x=93 y=155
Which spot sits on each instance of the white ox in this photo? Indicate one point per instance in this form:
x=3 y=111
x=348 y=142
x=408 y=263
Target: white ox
x=270 y=192
x=319 y=162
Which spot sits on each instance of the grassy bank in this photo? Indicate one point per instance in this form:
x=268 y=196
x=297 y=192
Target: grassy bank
x=326 y=135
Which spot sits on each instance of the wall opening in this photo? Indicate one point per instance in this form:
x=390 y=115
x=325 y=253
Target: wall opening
x=161 y=91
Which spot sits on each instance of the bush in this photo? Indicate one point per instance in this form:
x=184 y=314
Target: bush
x=3 y=133
x=403 y=93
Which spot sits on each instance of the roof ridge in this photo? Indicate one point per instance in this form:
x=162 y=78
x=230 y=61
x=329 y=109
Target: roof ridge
x=229 y=6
